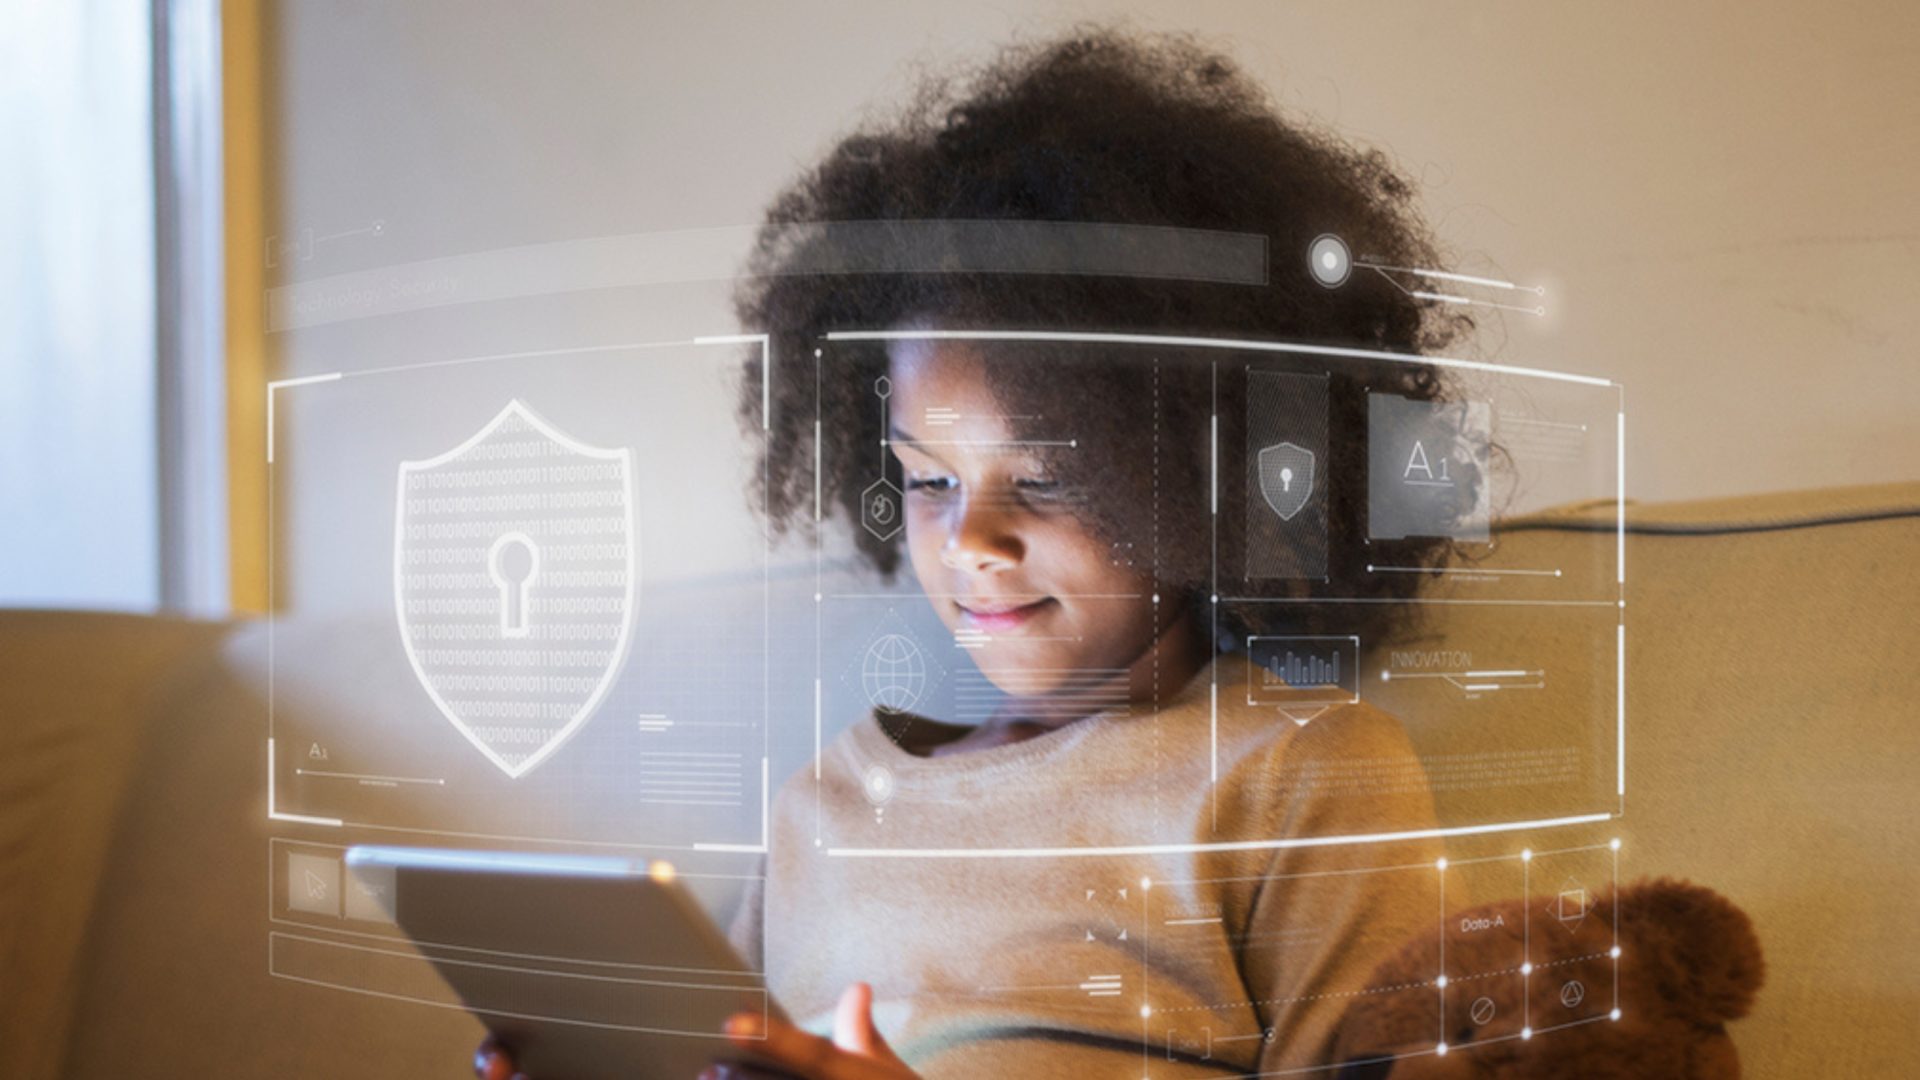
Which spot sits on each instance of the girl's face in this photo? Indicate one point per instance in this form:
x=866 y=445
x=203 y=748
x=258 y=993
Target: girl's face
x=997 y=544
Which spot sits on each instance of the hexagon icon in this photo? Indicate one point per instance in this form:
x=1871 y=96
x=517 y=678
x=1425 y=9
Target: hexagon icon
x=880 y=509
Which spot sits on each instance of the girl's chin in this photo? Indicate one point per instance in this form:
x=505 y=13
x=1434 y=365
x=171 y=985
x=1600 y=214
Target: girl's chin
x=1031 y=668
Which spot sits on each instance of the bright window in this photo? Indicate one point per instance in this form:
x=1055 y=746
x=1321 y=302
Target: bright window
x=79 y=468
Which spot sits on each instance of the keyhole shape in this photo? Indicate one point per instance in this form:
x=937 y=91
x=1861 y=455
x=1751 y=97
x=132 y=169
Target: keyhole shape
x=512 y=563
x=1286 y=479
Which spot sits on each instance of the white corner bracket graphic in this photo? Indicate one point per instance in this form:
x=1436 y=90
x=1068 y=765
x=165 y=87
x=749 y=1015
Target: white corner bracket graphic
x=479 y=534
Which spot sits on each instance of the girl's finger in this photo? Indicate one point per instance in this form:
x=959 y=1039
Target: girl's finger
x=853 y=1027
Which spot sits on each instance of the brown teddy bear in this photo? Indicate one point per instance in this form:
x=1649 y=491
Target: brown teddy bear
x=1530 y=990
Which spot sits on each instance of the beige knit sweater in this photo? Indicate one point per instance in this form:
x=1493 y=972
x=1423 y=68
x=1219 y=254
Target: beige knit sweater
x=1154 y=960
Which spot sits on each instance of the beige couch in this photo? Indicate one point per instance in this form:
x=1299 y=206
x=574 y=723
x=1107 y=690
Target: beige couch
x=1772 y=754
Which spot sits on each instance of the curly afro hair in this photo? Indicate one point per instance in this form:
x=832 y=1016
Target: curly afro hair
x=1110 y=127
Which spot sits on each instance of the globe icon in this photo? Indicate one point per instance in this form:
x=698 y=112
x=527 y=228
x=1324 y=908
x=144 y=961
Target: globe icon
x=893 y=673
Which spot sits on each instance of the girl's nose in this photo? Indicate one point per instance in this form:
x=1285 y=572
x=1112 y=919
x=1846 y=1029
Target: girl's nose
x=981 y=541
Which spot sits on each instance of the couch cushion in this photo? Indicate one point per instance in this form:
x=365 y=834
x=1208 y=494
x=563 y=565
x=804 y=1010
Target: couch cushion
x=75 y=693
x=177 y=981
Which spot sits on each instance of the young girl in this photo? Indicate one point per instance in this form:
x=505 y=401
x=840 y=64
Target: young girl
x=1105 y=876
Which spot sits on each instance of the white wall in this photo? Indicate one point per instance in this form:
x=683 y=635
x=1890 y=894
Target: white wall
x=1720 y=197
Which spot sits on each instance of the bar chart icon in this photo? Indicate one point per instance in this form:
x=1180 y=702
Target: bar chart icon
x=1303 y=673
x=1301 y=670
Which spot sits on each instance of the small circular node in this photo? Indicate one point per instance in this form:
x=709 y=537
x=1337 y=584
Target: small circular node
x=1386 y=676
x=1441 y=1049
x=1216 y=598
x=1146 y=1011
x=1526 y=1033
x=1614 y=952
x=1441 y=982
x=1526 y=855
x=1556 y=573
x=1614 y=843
x=1614 y=1015
x=660 y=870
x=1329 y=260
x=1146 y=883
x=816 y=598
x=1526 y=968
x=1442 y=864
x=1156 y=598
x=879 y=784
x=816 y=354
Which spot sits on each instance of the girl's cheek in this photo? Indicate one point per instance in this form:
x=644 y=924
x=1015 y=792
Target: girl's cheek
x=1090 y=558
x=926 y=524
x=925 y=535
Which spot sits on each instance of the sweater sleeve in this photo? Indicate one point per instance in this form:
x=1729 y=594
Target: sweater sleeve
x=1324 y=916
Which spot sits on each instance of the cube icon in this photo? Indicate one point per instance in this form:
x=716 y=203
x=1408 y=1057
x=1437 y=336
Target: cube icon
x=1571 y=905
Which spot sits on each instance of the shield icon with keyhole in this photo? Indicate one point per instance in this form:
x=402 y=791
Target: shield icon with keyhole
x=1286 y=478
x=515 y=567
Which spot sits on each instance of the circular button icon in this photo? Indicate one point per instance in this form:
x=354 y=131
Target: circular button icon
x=878 y=783
x=1572 y=993
x=1329 y=261
x=1482 y=1011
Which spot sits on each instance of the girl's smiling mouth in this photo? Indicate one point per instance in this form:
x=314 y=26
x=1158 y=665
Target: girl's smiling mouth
x=999 y=616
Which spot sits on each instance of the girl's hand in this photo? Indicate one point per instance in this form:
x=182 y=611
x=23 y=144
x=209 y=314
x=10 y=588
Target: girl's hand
x=856 y=1052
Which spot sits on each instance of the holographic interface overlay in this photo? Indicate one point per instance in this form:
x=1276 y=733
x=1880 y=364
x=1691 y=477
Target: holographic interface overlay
x=514 y=572
x=1252 y=539
x=523 y=599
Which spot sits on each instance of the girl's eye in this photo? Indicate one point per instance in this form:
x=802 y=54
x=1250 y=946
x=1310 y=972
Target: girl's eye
x=933 y=485
x=1038 y=488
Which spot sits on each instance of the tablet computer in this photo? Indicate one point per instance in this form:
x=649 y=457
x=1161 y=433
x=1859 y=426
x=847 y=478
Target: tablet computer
x=583 y=967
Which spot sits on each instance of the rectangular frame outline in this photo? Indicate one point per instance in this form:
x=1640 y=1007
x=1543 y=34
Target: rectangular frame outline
x=1354 y=700
x=273 y=919
x=765 y=995
x=1288 y=348
x=766 y=652
x=1525 y=856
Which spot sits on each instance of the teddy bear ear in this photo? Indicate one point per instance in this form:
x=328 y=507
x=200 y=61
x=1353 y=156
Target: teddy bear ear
x=1697 y=948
